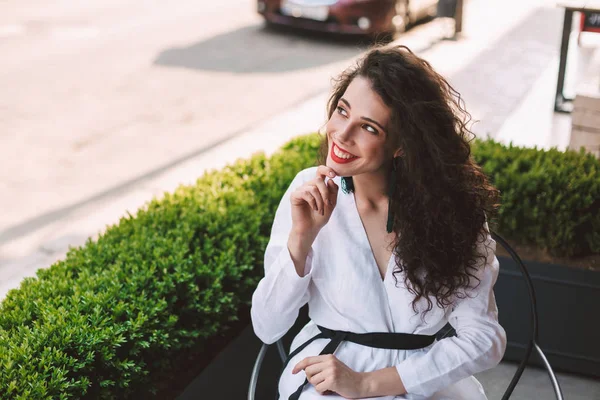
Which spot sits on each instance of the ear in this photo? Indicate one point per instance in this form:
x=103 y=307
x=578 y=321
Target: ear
x=398 y=153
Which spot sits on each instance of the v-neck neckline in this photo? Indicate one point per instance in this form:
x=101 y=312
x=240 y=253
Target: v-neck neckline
x=366 y=239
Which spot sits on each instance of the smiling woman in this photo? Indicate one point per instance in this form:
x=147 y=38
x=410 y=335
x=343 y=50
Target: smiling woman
x=401 y=251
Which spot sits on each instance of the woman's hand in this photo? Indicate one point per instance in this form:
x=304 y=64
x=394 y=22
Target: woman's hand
x=313 y=202
x=328 y=374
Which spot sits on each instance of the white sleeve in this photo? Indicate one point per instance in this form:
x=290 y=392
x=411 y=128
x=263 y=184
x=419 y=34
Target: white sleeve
x=479 y=343
x=282 y=292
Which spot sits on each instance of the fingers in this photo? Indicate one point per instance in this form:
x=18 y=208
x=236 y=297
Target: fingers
x=317 y=374
x=320 y=371
x=320 y=193
x=313 y=370
x=307 y=362
x=323 y=171
x=323 y=192
x=310 y=199
x=328 y=190
x=316 y=194
x=311 y=195
x=333 y=189
x=323 y=386
x=301 y=365
x=319 y=381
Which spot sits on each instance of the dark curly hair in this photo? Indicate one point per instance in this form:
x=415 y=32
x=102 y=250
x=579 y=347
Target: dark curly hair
x=441 y=198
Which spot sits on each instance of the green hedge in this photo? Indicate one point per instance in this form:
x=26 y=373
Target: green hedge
x=112 y=319
x=549 y=198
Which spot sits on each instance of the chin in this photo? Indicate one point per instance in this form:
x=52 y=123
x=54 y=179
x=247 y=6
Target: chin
x=340 y=170
x=329 y=163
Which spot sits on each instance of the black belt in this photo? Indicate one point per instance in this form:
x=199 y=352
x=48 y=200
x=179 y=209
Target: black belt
x=378 y=340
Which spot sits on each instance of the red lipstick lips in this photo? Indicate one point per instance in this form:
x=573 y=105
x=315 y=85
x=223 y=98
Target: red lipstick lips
x=340 y=160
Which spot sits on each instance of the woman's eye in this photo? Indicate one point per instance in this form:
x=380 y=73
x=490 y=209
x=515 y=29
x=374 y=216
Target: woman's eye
x=341 y=111
x=371 y=129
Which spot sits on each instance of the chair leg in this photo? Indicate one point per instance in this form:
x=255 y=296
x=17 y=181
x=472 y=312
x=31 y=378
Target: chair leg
x=256 y=370
x=534 y=325
x=282 y=353
x=517 y=376
x=553 y=379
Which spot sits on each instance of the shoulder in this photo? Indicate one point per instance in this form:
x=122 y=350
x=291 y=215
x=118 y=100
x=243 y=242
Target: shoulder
x=304 y=176
x=307 y=174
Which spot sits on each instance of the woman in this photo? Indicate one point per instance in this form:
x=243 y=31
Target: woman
x=387 y=261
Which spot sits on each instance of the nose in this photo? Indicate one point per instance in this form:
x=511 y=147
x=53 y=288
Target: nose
x=344 y=132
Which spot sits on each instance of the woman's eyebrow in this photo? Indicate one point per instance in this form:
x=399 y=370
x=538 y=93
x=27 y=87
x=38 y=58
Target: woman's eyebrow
x=374 y=122
x=343 y=100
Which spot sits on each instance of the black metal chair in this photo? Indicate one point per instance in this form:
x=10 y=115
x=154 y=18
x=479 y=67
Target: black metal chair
x=516 y=377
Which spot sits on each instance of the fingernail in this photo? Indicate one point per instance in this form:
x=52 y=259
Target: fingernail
x=331 y=174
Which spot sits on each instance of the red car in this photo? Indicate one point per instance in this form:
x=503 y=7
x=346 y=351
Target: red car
x=363 y=17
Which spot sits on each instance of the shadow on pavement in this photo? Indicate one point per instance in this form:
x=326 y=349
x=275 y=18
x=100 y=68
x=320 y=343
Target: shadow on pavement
x=263 y=49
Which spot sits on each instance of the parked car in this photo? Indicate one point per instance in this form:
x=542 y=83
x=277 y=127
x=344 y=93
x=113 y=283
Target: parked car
x=363 y=17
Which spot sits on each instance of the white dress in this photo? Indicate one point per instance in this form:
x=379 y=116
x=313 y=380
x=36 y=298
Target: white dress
x=344 y=291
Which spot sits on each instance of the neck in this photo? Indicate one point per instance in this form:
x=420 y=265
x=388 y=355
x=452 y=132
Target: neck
x=371 y=190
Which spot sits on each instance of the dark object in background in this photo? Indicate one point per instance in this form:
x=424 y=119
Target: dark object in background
x=452 y=9
x=365 y=17
x=566 y=300
x=590 y=22
x=446 y=8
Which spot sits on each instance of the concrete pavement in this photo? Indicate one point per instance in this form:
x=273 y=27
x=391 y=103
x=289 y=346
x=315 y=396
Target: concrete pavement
x=96 y=97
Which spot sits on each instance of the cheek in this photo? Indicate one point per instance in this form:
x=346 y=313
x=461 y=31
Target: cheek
x=372 y=147
x=331 y=125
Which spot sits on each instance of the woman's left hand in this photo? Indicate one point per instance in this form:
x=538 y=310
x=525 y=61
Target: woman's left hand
x=327 y=373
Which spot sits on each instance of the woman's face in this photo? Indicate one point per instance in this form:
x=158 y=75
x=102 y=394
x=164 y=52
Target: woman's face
x=357 y=131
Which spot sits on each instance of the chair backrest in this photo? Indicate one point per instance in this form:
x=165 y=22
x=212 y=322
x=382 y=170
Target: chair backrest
x=532 y=344
x=516 y=377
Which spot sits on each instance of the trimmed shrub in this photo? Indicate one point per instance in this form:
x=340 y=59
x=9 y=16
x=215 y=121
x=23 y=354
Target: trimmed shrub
x=111 y=320
x=549 y=198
